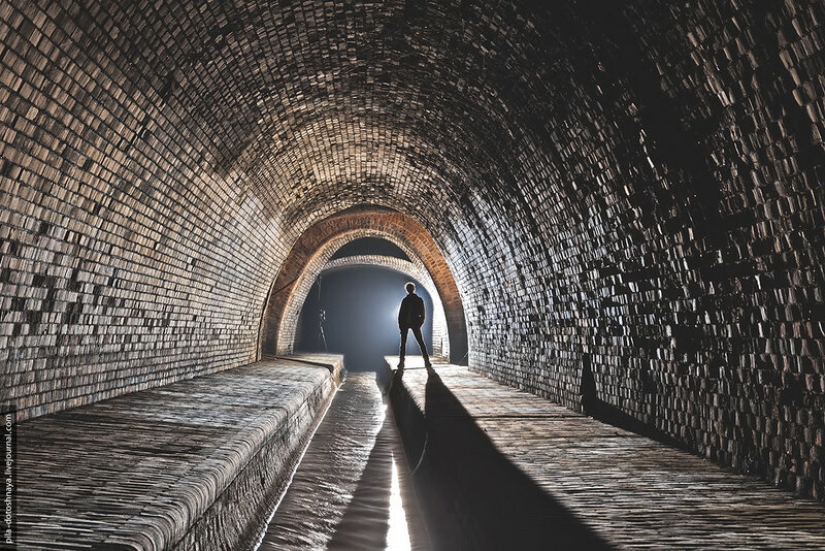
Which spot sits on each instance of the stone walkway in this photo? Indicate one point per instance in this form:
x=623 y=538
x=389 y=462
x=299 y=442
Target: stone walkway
x=172 y=467
x=631 y=492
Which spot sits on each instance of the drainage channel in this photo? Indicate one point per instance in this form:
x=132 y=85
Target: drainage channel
x=352 y=489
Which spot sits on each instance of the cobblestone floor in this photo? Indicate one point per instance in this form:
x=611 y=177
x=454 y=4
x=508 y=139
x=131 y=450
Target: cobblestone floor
x=634 y=492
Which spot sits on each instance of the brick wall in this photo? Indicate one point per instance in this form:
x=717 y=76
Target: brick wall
x=636 y=185
x=125 y=262
x=673 y=237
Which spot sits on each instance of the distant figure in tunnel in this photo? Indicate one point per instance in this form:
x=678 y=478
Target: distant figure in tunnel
x=411 y=315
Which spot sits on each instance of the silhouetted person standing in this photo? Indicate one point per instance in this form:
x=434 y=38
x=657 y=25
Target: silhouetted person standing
x=411 y=315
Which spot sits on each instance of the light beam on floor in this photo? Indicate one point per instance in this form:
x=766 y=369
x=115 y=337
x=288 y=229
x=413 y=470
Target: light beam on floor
x=398 y=534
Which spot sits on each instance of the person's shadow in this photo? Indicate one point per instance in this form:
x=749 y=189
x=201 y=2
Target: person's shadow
x=605 y=413
x=474 y=498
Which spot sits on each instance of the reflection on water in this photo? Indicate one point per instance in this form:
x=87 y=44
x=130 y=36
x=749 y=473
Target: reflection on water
x=398 y=535
x=351 y=490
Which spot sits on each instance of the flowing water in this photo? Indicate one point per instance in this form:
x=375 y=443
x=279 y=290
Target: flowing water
x=352 y=488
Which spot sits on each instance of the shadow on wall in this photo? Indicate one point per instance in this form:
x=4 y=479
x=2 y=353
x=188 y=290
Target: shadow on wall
x=473 y=497
x=610 y=415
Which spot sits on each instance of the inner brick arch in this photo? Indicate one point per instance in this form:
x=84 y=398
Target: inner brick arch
x=314 y=248
x=321 y=262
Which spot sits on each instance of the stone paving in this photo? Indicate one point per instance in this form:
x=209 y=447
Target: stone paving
x=633 y=492
x=171 y=467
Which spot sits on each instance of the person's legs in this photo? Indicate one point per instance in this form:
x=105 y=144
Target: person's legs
x=420 y=338
x=403 y=348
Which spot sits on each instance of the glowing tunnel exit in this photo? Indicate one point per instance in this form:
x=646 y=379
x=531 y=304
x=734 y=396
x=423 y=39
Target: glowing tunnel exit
x=284 y=330
x=353 y=310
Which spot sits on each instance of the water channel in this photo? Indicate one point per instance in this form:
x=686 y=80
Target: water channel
x=352 y=488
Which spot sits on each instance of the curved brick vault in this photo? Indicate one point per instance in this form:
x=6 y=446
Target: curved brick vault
x=311 y=254
x=632 y=185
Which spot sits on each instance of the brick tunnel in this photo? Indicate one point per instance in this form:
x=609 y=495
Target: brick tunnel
x=614 y=203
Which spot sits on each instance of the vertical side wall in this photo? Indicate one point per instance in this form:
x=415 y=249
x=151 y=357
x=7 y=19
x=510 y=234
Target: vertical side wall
x=124 y=263
x=675 y=238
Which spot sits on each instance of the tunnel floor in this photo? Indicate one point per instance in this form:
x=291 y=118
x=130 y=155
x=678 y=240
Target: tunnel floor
x=504 y=469
x=456 y=461
x=169 y=467
x=351 y=489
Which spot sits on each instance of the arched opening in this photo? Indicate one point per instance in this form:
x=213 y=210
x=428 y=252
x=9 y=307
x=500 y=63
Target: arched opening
x=352 y=310
x=370 y=246
x=314 y=249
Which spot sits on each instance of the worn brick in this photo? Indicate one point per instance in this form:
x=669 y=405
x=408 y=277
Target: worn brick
x=630 y=185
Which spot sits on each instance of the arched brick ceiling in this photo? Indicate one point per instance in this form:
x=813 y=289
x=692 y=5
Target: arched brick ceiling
x=371 y=245
x=327 y=106
x=637 y=184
